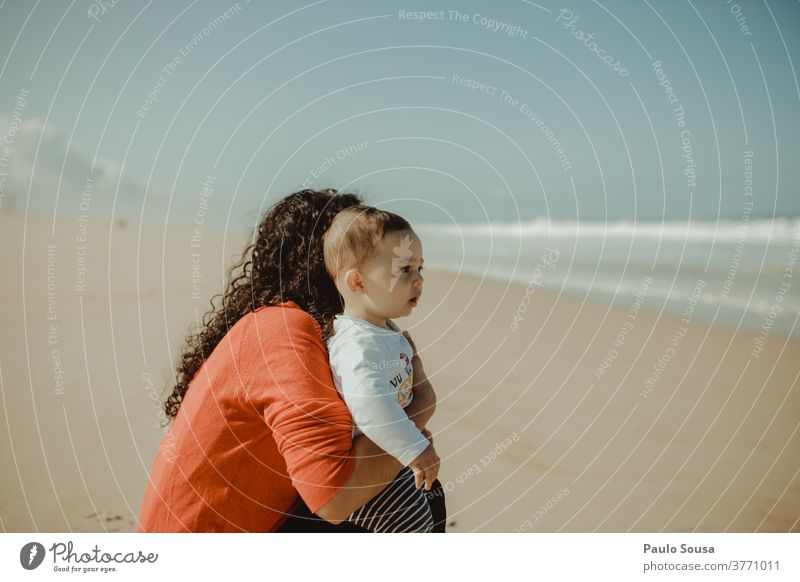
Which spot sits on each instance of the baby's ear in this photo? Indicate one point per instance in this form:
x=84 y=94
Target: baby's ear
x=354 y=281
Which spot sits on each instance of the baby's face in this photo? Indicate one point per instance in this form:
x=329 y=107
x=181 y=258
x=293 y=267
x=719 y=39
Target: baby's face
x=393 y=274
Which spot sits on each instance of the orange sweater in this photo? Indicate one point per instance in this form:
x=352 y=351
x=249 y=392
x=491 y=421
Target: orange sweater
x=260 y=423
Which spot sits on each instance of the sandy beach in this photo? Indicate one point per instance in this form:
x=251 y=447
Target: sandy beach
x=532 y=436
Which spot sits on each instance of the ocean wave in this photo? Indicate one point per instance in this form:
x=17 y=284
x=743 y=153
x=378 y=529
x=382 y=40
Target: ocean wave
x=761 y=230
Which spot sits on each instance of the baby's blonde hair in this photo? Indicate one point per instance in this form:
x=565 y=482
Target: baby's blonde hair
x=355 y=233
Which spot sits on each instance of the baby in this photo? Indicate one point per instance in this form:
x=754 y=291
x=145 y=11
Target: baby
x=375 y=259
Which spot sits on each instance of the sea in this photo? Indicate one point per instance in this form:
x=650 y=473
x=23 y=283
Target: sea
x=743 y=275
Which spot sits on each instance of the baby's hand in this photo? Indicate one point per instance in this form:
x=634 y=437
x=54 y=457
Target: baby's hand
x=425 y=468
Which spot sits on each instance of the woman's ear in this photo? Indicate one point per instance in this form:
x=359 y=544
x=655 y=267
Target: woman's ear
x=354 y=281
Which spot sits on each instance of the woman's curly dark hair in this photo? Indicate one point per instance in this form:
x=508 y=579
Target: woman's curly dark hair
x=283 y=262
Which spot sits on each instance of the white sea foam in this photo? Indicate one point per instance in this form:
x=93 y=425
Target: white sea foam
x=743 y=265
x=723 y=230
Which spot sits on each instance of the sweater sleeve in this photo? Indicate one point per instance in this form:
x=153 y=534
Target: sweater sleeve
x=288 y=380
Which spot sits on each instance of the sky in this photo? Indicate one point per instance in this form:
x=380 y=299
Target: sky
x=478 y=112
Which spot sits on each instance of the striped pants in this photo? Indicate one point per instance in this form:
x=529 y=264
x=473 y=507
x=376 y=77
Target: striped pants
x=399 y=508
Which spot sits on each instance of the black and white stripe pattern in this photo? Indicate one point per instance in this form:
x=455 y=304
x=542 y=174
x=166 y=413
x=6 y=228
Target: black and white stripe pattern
x=399 y=508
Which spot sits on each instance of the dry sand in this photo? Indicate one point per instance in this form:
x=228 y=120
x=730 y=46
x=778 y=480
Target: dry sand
x=530 y=438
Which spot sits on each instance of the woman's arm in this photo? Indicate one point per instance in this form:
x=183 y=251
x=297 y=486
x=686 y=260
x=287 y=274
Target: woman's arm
x=374 y=469
x=423 y=406
x=373 y=401
x=289 y=378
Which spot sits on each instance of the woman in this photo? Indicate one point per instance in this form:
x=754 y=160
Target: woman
x=260 y=440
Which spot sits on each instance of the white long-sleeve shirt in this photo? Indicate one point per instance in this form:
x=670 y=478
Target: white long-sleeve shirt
x=373 y=372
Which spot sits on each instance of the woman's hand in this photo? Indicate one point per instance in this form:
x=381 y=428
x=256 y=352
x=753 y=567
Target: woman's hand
x=423 y=405
x=413 y=345
x=427 y=434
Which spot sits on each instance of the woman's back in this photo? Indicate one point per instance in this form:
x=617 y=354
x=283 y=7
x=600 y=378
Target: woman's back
x=261 y=421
